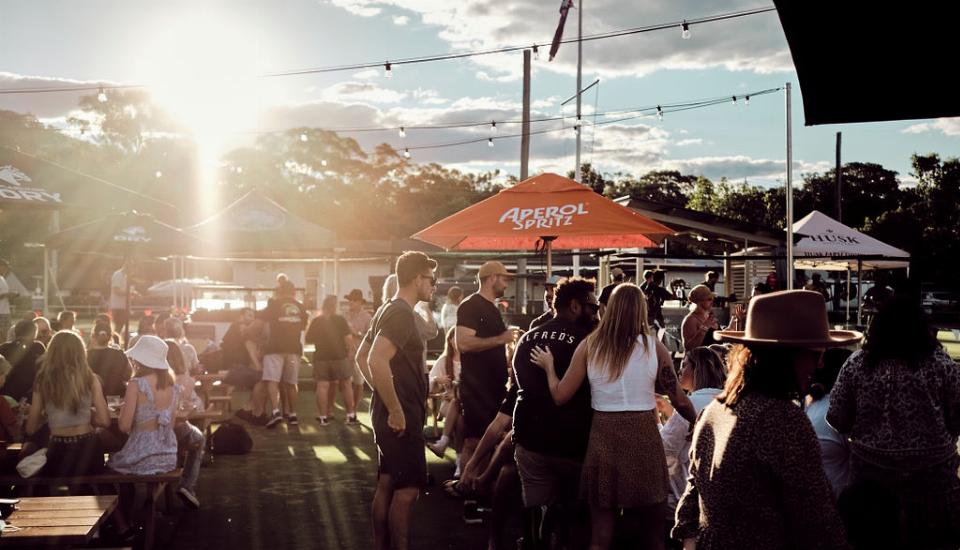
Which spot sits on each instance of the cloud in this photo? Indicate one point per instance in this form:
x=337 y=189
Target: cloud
x=946 y=126
x=401 y=20
x=754 y=43
x=363 y=9
x=367 y=74
x=362 y=91
x=686 y=142
x=45 y=105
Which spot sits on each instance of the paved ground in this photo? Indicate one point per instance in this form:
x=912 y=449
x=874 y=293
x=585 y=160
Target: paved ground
x=308 y=487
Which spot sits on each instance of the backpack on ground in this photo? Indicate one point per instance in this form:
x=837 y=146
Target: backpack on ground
x=230 y=439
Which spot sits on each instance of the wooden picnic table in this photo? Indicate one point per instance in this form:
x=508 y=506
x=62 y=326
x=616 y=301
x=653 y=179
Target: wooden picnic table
x=57 y=521
x=207 y=382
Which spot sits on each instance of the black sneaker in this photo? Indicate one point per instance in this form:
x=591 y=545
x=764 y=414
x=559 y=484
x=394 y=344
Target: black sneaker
x=352 y=419
x=274 y=420
x=188 y=498
x=292 y=420
x=471 y=513
x=323 y=420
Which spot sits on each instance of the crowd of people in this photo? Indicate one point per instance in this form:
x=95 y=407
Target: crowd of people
x=582 y=431
x=772 y=433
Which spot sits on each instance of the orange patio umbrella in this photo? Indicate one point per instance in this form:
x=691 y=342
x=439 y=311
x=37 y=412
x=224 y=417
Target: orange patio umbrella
x=550 y=208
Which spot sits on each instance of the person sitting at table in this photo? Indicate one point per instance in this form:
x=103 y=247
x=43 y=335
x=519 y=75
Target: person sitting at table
x=148 y=413
x=109 y=363
x=65 y=392
x=173 y=329
x=24 y=354
x=147 y=325
x=443 y=377
x=9 y=430
x=189 y=437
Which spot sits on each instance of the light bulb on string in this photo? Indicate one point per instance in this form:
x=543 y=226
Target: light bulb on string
x=403 y=133
x=685 y=30
x=734 y=101
x=406 y=153
x=576 y=128
x=323 y=163
x=536 y=53
x=387 y=72
x=659 y=113
x=493 y=127
x=102 y=95
x=158 y=174
x=489 y=142
x=746 y=101
x=304 y=138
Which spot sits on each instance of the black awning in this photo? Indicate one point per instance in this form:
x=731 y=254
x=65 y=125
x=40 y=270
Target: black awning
x=873 y=61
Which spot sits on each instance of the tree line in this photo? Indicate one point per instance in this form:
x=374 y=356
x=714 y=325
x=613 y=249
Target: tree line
x=331 y=180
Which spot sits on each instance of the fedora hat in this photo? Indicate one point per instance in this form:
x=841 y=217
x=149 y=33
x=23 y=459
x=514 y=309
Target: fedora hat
x=790 y=318
x=150 y=351
x=355 y=295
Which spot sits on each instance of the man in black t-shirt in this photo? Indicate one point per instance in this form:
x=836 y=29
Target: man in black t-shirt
x=241 y=357
x=551 y=440
x=482 y=339
x=332 y=339
x=286 y=318
x=391 y=361
x=656 y=295
x=549 y=287
x=24 y=353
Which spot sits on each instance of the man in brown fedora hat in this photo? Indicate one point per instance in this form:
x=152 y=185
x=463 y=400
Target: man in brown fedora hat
x=754 y=439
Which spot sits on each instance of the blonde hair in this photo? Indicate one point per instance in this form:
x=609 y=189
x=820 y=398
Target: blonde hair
x=65 y=379
x=624 y=319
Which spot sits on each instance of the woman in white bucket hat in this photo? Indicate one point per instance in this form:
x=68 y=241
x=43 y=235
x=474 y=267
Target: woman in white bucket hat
x=148 y=412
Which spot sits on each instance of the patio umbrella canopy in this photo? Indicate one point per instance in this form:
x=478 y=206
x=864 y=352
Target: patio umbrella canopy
x=824 y=243
x=128 y=234
x=254 y=225
x=27 y=181
x=546 y=207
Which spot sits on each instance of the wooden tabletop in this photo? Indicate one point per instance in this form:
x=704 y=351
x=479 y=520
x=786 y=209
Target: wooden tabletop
x=211 y=377
x=61 y=521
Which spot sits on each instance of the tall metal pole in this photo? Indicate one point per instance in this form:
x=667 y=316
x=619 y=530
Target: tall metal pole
x=577 y=175
x=839 y=177
x=525 y=127
x=789 y=192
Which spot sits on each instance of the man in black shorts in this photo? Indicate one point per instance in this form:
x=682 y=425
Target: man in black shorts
x=551 y=439
x=482 y=338
x=391 y=360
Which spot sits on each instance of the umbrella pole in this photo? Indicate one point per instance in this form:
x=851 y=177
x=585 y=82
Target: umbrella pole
x=859 y=292
x=549 y=243
x=46 y=282
x=848 y=295
x=126 y=301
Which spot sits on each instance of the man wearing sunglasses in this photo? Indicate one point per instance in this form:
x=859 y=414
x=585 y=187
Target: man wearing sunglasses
x=550 y=439
x=391 y=360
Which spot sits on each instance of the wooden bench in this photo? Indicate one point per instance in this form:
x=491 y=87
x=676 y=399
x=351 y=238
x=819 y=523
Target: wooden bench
x=156 y=486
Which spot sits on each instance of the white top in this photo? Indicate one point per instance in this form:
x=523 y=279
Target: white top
x=118 y=289
x=190 y=358
x=448 y=316
x=677 y=447
x=834 y=450
x=634 y=390
x=440 y=369
x=5 y=301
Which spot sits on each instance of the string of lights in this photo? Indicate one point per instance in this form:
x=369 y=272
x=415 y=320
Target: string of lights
x=404 y=130
x=659 y=111
x=388 y=65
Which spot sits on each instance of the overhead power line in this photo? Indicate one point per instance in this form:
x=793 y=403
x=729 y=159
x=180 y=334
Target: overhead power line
x=389 y=64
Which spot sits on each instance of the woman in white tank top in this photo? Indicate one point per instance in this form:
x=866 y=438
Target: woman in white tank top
x=625 y=466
